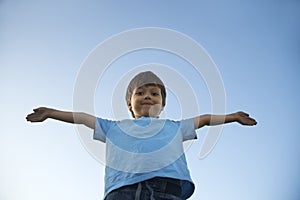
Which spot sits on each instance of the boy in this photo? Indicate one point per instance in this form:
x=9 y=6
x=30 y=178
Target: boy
x=144 y=157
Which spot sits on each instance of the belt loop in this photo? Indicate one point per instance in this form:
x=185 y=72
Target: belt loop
x=138 y=191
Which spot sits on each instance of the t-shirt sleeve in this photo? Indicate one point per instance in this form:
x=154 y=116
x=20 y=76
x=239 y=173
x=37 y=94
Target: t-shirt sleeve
x=102 y=126
x=187 y=129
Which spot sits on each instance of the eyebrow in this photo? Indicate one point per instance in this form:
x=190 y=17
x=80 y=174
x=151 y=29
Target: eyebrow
x=153 y=87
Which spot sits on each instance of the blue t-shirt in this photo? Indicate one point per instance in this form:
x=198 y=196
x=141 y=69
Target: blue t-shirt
x=137 y=150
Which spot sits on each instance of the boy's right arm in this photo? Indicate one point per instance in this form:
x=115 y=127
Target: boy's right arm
x=43 y=113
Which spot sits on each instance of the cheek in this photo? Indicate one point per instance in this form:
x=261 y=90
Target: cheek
x=159 y=100
x=134 y=104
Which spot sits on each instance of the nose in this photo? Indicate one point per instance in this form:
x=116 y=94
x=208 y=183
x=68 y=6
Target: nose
x=147 y=95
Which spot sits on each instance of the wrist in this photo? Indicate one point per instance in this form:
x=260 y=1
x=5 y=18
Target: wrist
x=50 y=113
x=231 y=118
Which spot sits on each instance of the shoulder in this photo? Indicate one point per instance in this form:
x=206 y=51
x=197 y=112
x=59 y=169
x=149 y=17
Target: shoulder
x=104 y=120
x=181 y=122
x=105 y=124
x=185 y=127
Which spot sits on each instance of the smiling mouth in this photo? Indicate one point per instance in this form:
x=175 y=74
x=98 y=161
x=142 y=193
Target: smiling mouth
x=150 y=104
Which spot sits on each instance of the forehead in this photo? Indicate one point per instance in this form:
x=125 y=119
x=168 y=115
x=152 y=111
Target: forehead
x=149 y=87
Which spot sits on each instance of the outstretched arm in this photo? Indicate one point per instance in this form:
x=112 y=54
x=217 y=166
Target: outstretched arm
x=43 y=113
x=211 y=120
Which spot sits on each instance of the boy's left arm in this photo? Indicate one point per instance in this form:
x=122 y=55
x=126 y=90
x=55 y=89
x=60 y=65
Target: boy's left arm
x=211 y=120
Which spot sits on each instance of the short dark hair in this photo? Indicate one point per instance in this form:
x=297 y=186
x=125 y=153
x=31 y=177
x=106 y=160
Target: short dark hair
x=144 y=79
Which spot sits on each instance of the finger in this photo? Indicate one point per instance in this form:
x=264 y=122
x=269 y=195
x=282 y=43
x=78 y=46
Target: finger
x=252 y=121
x=31 y=117
x=245 y=114
x=34 y=119
x=28 y=117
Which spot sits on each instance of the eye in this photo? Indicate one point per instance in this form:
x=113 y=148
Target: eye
x=155 y=93
x=139 y=93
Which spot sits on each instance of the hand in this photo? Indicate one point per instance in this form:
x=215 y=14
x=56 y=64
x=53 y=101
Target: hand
x=39 y=114
x=244 y=119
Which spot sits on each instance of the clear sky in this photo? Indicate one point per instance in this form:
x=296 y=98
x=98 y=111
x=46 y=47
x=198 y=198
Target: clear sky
x=254 y=44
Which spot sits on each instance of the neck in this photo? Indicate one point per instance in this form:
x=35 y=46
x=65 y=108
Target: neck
x=138 y=117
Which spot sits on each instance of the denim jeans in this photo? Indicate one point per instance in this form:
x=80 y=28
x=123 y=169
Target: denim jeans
x=153 y=189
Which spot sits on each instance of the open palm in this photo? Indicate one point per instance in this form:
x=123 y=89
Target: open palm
x=244 y=119
x=38 y=115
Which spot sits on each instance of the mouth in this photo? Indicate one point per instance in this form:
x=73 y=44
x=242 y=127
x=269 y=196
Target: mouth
x=147 y=103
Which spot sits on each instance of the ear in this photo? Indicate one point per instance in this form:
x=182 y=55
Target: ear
x=129 y=105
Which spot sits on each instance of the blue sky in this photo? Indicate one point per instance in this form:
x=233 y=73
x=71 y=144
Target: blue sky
x=254 y=44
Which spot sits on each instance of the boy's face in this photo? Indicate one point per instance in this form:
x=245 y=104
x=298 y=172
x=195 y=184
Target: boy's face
x=146 y=101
